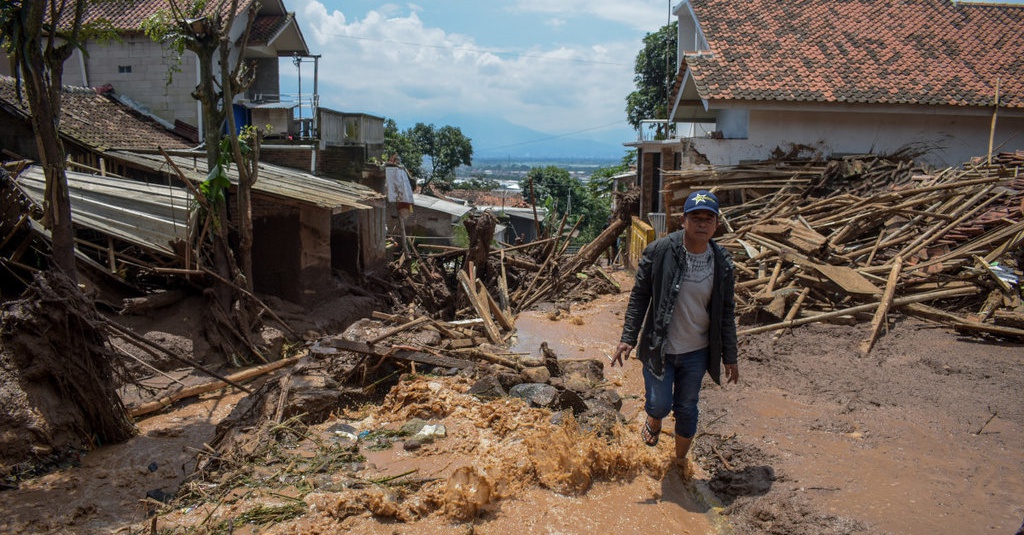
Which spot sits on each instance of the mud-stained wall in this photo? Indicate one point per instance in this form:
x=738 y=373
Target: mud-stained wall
x=314 y=252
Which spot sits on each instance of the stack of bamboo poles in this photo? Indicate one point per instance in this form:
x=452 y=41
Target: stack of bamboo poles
x=861 y=236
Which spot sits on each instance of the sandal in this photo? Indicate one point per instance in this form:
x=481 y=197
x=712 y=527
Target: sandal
x=649 y=436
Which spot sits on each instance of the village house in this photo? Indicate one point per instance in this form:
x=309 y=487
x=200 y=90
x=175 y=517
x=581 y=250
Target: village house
x=765 y=80
x=431 y=221
x=150 y=74
x=128 y=201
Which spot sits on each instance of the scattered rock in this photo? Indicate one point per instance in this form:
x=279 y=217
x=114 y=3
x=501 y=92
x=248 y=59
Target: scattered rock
x=536 y=394
x=539 y=374
x=590 y=370
x=488 y=387
x=569 y=400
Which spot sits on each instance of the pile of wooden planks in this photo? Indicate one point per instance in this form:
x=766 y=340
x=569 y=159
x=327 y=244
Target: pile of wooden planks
x=861 y=236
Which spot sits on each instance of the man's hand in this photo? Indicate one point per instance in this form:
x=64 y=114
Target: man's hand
x=732 y=373
x=621 y=354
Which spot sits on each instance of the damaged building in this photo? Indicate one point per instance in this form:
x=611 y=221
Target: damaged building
x=934 y=80
x=132 y=212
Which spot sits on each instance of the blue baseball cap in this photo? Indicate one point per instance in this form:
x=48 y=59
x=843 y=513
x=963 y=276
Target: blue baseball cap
x=701 y=200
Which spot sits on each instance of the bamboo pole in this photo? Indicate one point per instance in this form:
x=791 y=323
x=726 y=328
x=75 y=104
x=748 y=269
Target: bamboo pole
x=234 y=378
x=931 y=296
x=883 y=306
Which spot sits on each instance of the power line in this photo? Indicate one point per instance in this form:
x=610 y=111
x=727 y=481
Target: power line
x=478 y=50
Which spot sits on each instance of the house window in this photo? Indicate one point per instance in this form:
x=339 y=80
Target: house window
x=124 y=69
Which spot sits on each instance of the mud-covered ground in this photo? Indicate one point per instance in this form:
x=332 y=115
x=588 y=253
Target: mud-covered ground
x=922 y=436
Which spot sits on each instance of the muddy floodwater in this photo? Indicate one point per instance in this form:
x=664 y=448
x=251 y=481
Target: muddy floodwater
x=922 y=436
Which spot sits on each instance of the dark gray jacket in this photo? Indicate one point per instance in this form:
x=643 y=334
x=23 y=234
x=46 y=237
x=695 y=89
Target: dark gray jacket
x=658 y=279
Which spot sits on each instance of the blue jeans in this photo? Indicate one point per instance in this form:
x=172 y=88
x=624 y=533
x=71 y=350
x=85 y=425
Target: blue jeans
x=677 y=390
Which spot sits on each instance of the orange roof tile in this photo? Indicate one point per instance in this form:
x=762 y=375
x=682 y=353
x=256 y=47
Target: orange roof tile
x=931 y=52
x=127 y=15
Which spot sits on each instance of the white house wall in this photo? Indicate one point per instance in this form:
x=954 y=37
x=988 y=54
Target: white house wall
x=147 y=81
x=953 y=139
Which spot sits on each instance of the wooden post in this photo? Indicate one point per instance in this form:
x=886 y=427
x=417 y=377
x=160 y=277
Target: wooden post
x=992 y=130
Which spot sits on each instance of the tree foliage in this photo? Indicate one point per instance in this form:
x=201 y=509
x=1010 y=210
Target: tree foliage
x=395 y=142
x=446 y=147
x=654 y=71
x=561 y=194
x=601 y=185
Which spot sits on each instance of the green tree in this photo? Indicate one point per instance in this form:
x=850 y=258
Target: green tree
x=395 y=142
x=601 y=185
x=654 y=71
x=555 y=189
x=447 y=149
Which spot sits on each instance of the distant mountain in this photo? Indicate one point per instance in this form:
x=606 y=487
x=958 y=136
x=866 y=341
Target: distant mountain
x=497 y=138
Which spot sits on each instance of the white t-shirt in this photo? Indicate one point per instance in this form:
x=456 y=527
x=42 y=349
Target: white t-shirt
x=688 y=330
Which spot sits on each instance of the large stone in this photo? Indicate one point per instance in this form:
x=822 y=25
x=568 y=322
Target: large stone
x=510 y=379
x=600 y=420
x=536 y=394
x=608 y=397
x=538 y=374
x=590 y=370
x=311 y=397
x=488 y=387
x=569 y=400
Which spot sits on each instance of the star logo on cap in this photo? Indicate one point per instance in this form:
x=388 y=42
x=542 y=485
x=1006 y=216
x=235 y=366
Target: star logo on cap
x=700 y=197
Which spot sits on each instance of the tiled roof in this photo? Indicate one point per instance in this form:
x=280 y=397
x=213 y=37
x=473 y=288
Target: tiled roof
x=490 y=198
x=98 y=121
x=931 y=52
x=265 y=27
x=127 y=15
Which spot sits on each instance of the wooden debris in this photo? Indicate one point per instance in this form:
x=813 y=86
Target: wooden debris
x=841 y=233
x=399 y=353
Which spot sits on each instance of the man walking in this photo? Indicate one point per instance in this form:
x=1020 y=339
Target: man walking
x=684 y=288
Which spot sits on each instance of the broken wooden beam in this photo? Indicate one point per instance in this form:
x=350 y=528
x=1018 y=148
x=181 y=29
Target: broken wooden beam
x=408 y=355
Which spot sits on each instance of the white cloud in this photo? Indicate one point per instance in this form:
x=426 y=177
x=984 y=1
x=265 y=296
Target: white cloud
x=389 y=63
x=555 y=23
x=646 y=15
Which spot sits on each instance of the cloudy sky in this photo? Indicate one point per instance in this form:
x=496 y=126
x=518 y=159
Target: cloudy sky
x=555 y=66
x=560 y=67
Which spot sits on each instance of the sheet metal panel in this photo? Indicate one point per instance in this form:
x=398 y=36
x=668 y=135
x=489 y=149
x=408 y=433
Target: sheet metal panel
x=146 y=215
x=335 y=195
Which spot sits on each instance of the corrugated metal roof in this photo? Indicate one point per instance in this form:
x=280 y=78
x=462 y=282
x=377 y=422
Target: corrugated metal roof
x=146 y=215
x=440 y=205
x=282 y=182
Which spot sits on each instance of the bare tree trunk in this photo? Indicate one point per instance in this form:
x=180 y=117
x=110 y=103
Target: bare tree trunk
x=480 y=230
x=41 y=68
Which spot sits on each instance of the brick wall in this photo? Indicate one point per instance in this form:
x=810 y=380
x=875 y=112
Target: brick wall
x=295 y=159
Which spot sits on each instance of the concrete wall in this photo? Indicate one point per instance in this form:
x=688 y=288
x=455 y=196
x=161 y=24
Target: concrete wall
x=147 y=83
x=946 y=140
x=424 y=222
